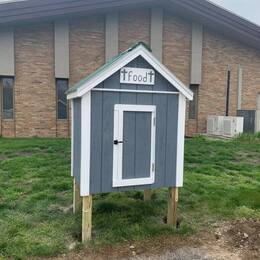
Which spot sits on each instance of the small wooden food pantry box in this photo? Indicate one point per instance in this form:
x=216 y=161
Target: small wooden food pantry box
x=128 y=124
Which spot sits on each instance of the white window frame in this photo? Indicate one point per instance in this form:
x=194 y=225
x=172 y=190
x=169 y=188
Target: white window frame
x=118 y=180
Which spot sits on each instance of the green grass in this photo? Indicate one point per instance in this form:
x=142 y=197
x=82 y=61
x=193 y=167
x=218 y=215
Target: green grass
x=249 y=137
x=222 y=181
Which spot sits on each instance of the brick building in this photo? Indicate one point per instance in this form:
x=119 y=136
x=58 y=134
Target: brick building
x=47 y=46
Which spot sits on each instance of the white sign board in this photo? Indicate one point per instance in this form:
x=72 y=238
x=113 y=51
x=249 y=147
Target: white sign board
x=137 y=76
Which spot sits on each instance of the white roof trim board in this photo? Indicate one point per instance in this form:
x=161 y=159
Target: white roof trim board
x=10 y=1
x=139 y=50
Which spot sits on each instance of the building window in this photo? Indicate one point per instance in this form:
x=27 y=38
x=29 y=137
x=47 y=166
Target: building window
x=62 y=86
x=193 y=105
x=7 y=86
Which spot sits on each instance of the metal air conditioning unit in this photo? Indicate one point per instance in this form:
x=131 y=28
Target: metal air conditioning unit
x=232 y=126
x=215 y=125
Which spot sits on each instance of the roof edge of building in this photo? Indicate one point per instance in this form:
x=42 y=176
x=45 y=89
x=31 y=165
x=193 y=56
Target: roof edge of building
x=202 y=11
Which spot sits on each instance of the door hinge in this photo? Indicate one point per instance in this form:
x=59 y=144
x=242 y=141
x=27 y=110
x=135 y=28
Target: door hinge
x=154 y=121
x=153 y=167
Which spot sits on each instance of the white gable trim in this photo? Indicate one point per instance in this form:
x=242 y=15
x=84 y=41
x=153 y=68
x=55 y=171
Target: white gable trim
x=121 y=62
x=180 y=141
x=85 y=145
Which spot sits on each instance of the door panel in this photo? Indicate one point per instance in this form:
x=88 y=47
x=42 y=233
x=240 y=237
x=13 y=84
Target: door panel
x=143 y=144
x=137 y=144
x=129 y=146
x=134 y=145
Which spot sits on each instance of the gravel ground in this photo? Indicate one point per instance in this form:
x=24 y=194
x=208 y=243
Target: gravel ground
x=237 y=240
x=192 y=254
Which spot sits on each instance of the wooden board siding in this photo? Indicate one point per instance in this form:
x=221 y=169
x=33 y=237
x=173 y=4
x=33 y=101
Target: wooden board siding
x=137 y=145
x=102 y=141
x=76 y=139
x=102 y=109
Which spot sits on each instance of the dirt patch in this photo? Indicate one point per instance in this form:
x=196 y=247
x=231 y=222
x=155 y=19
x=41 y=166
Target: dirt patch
x=2 y=157
x=24 y=154
x=149 y=247
x=55 y=208
x=249 y=157
x=237 y=240
x=244 y=235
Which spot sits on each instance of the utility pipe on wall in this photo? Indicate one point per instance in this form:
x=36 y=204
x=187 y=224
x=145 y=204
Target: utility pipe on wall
x=228 y=92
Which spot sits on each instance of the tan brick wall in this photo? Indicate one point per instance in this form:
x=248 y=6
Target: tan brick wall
x=177 y=54
x=8 y=128
x=219 y=54
x=63 y=127
x=87 y=46
x=134 y=26
x=177 y=46
x=87 y=52
x=191 y=127
x=35 y=95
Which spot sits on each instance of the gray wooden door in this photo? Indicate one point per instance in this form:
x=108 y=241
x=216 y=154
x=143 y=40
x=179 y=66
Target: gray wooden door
x=134 y=145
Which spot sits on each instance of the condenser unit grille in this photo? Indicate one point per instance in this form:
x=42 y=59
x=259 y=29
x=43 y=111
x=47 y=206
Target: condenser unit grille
x=224 y=125
x=227 y=127
x=210 y=126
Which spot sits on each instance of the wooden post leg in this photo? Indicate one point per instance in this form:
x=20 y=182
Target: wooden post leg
x=147 y=195
x=172 y=206
x=76 y=197
x=86 y=218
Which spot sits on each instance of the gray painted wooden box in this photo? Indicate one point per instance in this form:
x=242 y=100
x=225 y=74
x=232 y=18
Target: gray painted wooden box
x=128 y=121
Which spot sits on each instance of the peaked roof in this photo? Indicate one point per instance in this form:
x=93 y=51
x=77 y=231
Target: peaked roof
x=118 y=62
x=205 y=12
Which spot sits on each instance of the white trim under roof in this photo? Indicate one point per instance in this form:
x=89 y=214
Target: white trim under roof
x=123 y=61
x=11 y=1
x=135 y=91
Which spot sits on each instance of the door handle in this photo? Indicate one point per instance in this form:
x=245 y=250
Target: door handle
x=116 y=142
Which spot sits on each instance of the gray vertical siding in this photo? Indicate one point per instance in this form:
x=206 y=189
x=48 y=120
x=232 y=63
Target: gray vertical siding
x=102 y=141
x=249 y=120
x=171 y=142
x=6 y=52
x=102 y=131
x=76 y=139
x=257 y=121
x=129 y=137
x=96 y=141
x=257 y=114
x=142 y=145
x=196 y=55
x=137 y=145
x=111 y=35
x=157 y=32
x=109 y=99
x=239 y=88
x=61 y=44
x=258 y=102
